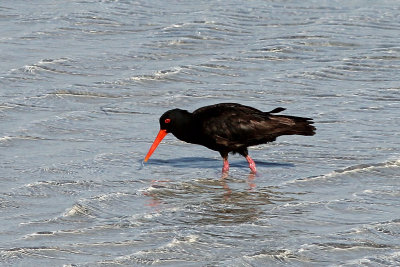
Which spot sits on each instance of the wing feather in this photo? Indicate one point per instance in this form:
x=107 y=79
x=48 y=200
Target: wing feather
x=234 y=125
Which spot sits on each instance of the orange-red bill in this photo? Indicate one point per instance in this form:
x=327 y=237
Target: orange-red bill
x=160 y=136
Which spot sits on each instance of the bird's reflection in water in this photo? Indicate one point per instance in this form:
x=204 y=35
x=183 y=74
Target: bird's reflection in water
x=230 y=199
x=224 y=184
x=228 y=191
x=250 y=180
x=154 y=200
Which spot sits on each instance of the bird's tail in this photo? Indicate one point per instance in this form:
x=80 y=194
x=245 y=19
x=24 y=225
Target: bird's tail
x=303 y=126
x=294 y=125
x=298 y=125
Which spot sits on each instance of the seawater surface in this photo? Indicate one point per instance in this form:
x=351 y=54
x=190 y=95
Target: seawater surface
x=83 y=83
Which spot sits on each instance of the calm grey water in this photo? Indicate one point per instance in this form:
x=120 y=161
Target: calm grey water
x=83 y=83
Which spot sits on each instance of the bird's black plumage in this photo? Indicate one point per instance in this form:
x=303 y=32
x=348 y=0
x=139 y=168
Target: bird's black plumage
x=232 y=127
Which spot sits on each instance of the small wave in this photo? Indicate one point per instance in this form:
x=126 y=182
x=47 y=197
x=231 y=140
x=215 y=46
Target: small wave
x=39 y=234
x=387 y=230
x=182 y=241
x=283 y=256
x=158 y=75
x=361 y=168
x=58 y=66
x=36 y=66
x=379 y=259
x=353 y=245
x=379 y=194
x=79 y=210
x=369 y=167
x=60 y=183
x=7 y=138
x=61 y=93
x=111 y=196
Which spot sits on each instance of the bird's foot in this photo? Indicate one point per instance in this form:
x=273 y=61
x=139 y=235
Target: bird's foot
x=253 y=168
x=252 y=164
x=225 y=168
x=224 y=175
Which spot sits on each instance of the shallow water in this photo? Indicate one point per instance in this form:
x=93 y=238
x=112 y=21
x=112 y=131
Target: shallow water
x=83 y=84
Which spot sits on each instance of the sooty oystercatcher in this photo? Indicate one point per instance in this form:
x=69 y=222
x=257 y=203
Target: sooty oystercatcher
x=230 y=127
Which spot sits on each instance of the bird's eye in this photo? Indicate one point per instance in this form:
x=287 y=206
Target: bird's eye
x=167 y=120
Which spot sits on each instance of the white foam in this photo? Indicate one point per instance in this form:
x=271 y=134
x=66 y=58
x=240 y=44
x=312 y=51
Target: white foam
x=186 y=240
x=160 y=74
x=6 y=138
x=77 y=209
x=30 y=68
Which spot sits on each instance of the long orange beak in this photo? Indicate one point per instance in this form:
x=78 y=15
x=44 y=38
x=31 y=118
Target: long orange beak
x=160 y=136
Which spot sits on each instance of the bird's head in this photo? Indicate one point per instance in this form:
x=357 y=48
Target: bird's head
x=172 y=121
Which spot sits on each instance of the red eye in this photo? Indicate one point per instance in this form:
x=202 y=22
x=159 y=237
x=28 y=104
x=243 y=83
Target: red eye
x=167 y=120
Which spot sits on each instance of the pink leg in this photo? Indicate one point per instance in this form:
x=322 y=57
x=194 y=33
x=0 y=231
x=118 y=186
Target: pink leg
x=226 y=165
x=252 y=164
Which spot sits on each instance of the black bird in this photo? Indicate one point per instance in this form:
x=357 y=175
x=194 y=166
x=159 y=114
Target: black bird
x=230 y=127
